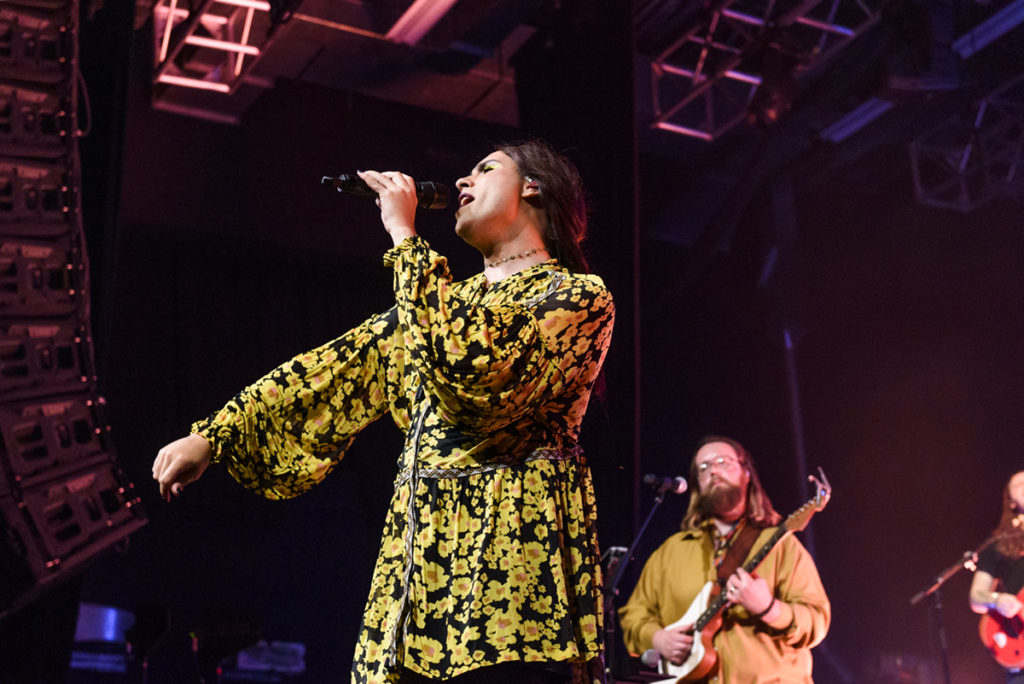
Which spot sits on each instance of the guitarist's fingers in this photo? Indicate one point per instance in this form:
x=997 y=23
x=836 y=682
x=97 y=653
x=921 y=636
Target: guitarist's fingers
x=733 y=590
x=1007 y=604
x=749 y=591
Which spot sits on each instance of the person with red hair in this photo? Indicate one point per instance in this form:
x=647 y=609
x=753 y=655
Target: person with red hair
x=999 y=576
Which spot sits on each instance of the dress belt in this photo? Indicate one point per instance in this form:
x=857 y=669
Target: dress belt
x=541 y=453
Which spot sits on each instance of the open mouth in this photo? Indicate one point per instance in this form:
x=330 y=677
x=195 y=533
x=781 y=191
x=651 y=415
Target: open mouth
x=464 y=199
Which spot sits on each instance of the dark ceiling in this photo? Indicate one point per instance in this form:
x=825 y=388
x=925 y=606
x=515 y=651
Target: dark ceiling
x=455 y=56
x=839 y=84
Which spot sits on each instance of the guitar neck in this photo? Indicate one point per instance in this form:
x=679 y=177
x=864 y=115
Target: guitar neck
x=756 y=559
x=719 y=601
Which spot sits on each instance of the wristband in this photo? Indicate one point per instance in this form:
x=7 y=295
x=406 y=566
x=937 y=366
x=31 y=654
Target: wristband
x=764 y=612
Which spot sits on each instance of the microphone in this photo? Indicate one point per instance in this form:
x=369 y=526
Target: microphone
x=676 y=485
x=431 y=195
x=651 y=658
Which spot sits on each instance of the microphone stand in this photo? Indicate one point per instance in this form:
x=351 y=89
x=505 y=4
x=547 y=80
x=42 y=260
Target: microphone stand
x=969 y=561
x=611 y=590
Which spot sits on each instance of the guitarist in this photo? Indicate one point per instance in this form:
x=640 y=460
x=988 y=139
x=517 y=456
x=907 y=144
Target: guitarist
x=999 y=576
x=774 y=615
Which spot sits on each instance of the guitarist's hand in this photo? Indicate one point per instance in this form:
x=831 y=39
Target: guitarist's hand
x=750 y=591
x=1007 y=605
x=674 y=644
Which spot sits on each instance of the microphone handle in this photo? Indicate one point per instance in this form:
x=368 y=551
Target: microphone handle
x=351 y=184
x=431 y=195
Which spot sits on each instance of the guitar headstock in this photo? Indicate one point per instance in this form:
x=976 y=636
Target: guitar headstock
x=823 y=492
x=823 y=489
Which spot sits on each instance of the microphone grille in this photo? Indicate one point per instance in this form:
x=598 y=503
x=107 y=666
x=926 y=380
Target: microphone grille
x=650 y=658
x=433 y=195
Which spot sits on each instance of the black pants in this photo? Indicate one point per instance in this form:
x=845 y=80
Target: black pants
x=504 y=673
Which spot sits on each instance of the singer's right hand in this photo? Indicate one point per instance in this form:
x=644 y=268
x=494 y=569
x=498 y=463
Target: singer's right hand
x=181 y=462
x=674 y=644
x=396 y=197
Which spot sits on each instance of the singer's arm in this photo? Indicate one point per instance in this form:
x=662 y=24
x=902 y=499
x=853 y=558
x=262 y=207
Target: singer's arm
x=282 y=435
x=396 y=197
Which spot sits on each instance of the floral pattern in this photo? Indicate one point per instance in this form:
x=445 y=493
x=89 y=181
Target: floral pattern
x=496 y=559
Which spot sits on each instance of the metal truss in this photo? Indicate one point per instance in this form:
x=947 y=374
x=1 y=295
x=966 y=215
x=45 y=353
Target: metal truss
x=705 y=82
x=211 y=48
x=961 y=165
x=204 y=56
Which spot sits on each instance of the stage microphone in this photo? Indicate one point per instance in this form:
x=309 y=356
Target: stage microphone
x=676 y=485
x=431 y=195
x=651 y=658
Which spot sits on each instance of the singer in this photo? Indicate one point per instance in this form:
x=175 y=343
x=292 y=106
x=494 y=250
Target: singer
x=488 y=569
x=775 y=615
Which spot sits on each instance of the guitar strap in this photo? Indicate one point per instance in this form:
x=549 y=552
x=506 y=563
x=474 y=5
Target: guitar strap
x=737 y=551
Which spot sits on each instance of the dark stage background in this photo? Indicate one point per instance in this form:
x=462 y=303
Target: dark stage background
x=216 y=255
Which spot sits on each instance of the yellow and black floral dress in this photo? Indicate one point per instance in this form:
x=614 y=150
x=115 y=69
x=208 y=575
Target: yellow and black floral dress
x=496 y=559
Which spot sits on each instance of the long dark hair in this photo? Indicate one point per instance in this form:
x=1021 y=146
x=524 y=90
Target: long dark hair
x=561 y=199
x=1011 y=537
x=760 y=511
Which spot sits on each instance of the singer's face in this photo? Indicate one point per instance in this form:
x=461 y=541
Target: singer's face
x=489 y=201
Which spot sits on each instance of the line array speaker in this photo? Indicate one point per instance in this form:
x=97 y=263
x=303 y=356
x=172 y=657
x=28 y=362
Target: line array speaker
x=63 y=498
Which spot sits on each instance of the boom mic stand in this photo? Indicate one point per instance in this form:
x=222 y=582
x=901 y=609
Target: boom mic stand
x=611 y=590
x=969 y=561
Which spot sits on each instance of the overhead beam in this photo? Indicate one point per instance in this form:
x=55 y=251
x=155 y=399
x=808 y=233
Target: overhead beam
x=418 y=20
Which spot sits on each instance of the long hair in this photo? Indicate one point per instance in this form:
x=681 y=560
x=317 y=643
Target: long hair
x=760 y=511
x=561 y=199
x=1011 y=542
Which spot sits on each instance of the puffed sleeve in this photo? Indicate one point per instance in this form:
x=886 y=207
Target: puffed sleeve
x=486 y=366
x=285 y=432
x=798 y=585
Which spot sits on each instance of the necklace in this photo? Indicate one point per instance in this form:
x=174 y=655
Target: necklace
x=515 y=256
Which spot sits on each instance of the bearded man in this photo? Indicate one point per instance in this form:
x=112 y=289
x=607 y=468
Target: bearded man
x=773 y=616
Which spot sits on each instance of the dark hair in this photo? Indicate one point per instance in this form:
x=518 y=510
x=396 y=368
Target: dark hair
x=561 y=199
x=1010 y=541
x=760 y=511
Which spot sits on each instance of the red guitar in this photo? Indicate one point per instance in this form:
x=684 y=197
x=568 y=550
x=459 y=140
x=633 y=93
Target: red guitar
x=1003 y=636
x=705 y=610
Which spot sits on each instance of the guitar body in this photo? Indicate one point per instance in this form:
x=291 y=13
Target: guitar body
x=702 y=663
x=1004 y=637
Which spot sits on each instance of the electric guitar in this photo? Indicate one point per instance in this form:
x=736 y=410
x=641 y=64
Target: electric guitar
x=1003 y=636
x=705 y=610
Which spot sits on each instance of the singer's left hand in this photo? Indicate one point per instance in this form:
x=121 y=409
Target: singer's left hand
x=396 y=197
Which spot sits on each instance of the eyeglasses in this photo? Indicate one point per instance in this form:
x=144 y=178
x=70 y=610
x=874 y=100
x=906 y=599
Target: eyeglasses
x=720 y=462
